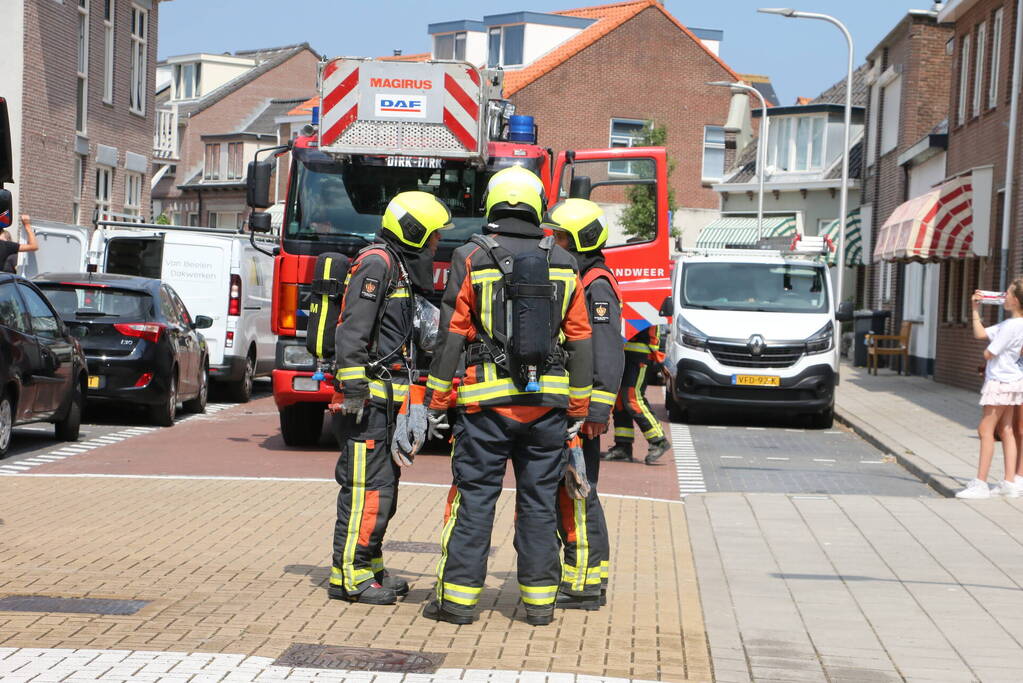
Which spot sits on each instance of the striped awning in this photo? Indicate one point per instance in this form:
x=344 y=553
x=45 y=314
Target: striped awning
x=742 y=231
x=853 y=240
x=937 y=225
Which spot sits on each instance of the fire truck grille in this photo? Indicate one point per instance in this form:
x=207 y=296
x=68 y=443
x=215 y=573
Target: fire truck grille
x=408 y=137
x=738 y=355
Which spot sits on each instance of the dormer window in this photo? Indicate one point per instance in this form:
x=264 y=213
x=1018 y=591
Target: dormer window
x=186 y=81
x=506 y=45
x=797 y=143
x=449 y=46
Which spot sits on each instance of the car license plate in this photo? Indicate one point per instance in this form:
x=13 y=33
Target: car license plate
x=756 y=380
x=94 y=381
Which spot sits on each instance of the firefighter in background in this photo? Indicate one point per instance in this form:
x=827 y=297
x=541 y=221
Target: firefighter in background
x=642 y=355
x=501 y=416
x=579 y=227
x=375 y=355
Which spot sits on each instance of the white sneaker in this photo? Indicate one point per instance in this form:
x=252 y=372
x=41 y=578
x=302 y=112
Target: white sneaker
x=976 y=489
x=1007 y=489
x=1018 y=481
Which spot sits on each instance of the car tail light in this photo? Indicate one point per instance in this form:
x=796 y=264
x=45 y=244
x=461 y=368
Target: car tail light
x=229 y=340
x=289 y=306
x=144 y=380
x=234 y=304
x=148 y=331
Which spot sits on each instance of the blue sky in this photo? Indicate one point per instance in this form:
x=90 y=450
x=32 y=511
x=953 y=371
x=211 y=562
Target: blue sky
x=802 y=57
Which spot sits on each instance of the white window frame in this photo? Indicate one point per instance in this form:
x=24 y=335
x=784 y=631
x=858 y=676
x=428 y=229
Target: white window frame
x=980 y=54
x=76 y=197
x=964 y=78
x=139 y=59
x=623 y=140
x=889 y=127
x=997 y=24
x=502 y=43
x=703 y=159
x=235 y=149
x=211 y=166
x=104 y=189
x=109 y=13
x=132 y=193
x=82 y=58
x=455 y=37
x=791 y=152
x=873 y=124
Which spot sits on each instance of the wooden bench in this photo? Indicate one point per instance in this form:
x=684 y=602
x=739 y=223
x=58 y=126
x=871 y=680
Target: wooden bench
x=889 y=345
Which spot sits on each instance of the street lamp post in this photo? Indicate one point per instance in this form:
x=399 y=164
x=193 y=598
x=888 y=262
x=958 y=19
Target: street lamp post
x=844 y=201
x=761 y=160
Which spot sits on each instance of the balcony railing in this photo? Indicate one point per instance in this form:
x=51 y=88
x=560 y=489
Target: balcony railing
x=165 y=140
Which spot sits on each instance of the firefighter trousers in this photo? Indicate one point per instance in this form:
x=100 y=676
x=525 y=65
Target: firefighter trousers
x=482 y=443
x=367 y=500
x=583 y=533
x=631 y=405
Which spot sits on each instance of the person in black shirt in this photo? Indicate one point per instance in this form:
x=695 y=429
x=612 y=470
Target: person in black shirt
x=9 y=248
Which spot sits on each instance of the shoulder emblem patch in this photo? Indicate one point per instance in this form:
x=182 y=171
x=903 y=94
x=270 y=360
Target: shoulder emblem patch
x=370 y=289
x=599 y=315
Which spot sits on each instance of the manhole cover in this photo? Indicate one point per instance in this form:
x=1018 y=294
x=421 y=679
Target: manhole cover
x=417 y=547
x=46 y=603
x=359 y=659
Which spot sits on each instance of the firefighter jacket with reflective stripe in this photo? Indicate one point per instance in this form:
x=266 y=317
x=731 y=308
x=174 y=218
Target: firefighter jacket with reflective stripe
x=648 y=343
x=472 y=294
x=374 y=331
x=605 y=310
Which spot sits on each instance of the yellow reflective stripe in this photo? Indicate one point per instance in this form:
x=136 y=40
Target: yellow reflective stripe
x=463 y=595
x=446 y=533
x=377 y=564
x=324 y=301
x=485 y=275
x=355 y=513
x=402 y=293
x=655 y=429
x=486 y=306
x=378 y=388
x=489 y=372
x=355 y=372
x=437 y=384
x=538 y=595
x=580 y=392
x=582 y=543
x=568 y=276
x=641 y=348
x=483 y=391
x=625 y=431
x=605 y=397
x=605 y=569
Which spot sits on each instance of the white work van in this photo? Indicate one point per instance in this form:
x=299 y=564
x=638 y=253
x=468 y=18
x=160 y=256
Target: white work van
x=216 y=272
x=752 y=329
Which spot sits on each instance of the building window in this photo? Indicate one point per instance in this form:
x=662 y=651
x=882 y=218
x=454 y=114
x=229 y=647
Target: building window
x=978 y=71
x=892 y=104
x=964 y=79
x=108 y=51
x=797 y=143
x=76 y=201
x=104 y=187
x=449 y=46
x=224 y=219
x=82 y=93
x=996 y=58
x=132 y=193
x=186 y=81
x=193 y=220
x=234 y=161
x=506 y=45
x=713 y=153
x=887 y=269
x=211 y=167
x=873 y=123
x=139 y=58
x=626 y=133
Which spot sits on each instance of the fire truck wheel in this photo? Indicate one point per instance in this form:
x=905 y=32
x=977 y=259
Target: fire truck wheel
x=301 y=424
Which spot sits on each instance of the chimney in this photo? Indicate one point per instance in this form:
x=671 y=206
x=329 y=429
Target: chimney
x=397 y=53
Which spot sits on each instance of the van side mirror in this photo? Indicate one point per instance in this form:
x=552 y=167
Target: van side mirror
x=845 y=312
x=667 y=307
x=6 y=206
x=580 y=187
x=6 y=155
x=259 y=222
x=202 y=322
x=257 y=184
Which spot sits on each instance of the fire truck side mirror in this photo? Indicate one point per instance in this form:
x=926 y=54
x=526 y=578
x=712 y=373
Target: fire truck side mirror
x=581 y=187
x=257 y=184
x=259 y=222
x=667 y=307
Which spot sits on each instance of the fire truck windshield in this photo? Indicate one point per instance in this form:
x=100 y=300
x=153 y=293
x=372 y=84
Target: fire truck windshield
x=342 y=201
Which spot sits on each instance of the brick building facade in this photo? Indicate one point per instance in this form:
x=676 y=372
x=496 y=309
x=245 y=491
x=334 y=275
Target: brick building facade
x=74 y=153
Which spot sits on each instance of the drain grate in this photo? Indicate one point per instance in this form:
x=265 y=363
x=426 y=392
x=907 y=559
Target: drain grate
x=417 y=547
x=46 y=603
x=359 y=659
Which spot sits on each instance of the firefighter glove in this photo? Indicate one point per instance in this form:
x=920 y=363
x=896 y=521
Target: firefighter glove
x=354 y=405
x=438 y=422
x=335 y=402
x=573 y=428
x=576 y=483
x=410 y=427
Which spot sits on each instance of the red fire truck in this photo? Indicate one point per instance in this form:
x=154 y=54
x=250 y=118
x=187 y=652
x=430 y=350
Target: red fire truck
x=441 y=126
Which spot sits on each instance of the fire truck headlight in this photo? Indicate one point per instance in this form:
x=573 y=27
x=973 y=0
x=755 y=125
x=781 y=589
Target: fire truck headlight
x=297 y=356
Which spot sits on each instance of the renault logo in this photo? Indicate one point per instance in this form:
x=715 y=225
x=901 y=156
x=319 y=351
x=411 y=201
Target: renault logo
x=756 y=344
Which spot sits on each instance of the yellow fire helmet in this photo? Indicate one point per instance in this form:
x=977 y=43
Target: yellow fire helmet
x=515 y=191
x=580 y=218
x=413 y=216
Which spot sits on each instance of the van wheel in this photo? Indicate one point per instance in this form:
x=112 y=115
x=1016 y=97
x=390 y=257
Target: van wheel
x=676 y=413
x=302 y=423
x=68 y=428
x=823 y=420
x=241 y=391
x=6 y=423
x=198 y=404
x=163 y=414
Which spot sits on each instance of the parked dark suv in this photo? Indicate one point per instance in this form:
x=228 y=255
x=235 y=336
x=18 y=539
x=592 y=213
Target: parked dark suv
x=42 y=368
x=141 y=343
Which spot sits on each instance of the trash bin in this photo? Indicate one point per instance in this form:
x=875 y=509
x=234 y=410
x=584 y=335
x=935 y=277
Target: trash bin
x=866 y=322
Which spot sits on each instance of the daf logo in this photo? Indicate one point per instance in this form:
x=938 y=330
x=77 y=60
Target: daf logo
x=756 y=344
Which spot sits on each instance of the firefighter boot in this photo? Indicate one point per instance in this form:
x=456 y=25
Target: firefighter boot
x=540 y=615
x=434 y=610
x=399 y=586
x=656 y=450
x=372 y=594
x=586 y=602
x=618 y=452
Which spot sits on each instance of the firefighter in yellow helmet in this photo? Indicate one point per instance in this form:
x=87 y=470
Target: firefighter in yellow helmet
x=515 y=307
x=580 y=228
x=375 y=353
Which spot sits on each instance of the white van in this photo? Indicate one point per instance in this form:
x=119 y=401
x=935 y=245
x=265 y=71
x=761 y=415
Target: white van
x=752 y=329
x=216 y=272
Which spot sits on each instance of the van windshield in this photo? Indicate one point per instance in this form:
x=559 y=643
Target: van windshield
x=771 y=287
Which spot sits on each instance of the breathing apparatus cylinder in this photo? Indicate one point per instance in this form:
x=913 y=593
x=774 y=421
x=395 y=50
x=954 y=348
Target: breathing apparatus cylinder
x=531 y=315
x=326 y=289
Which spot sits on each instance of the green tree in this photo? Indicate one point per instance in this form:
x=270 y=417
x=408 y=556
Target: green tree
x=162 y=219
x=639 y=219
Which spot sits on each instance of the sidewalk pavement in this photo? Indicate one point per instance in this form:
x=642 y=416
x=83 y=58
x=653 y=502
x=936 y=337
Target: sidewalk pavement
x=930 y=428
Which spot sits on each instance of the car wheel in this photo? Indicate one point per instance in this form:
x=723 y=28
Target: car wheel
x=198 y=404
x=241 y=391
x=68 y=428
x=6 y=424
x=302 y=423
x=163 y=414
x=823 y=420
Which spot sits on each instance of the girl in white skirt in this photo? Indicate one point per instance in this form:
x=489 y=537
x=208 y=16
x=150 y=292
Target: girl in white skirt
x=1002 y=391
